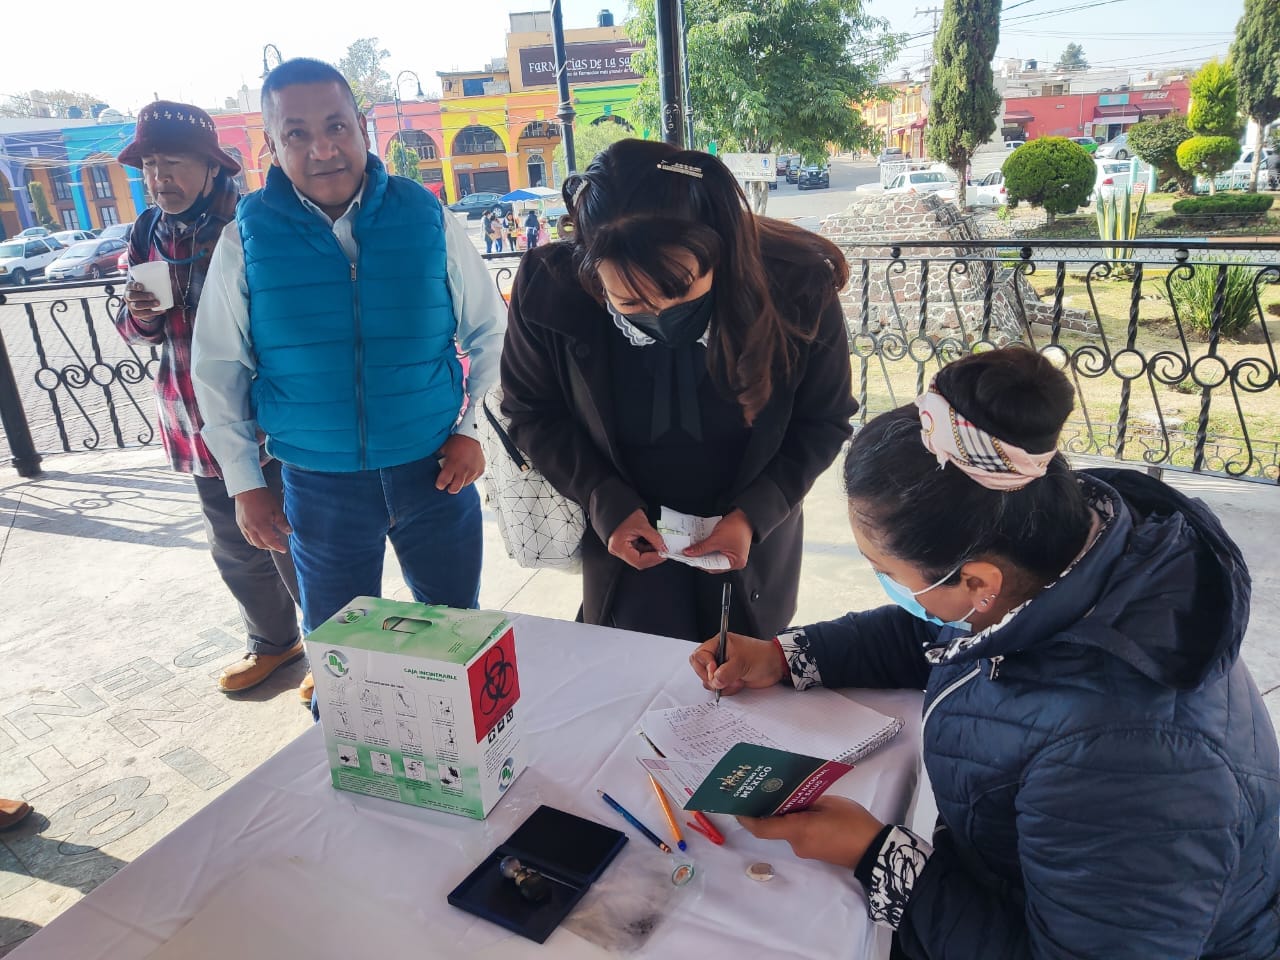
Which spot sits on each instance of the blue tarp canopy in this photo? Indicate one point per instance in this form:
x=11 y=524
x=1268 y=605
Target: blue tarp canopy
x=534 y=194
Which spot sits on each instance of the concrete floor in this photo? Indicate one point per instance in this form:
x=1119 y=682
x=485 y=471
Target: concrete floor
x=117 y=626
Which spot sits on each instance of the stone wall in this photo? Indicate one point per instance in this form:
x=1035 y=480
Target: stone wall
x=948 y=284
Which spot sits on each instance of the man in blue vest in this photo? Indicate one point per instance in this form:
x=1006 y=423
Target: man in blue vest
x=334 y=310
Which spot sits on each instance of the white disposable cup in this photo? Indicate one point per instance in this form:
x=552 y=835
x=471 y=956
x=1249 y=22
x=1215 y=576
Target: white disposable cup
x=154 y=277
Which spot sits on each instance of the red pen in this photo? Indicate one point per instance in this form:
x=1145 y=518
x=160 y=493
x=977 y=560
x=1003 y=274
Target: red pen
x=705 y=827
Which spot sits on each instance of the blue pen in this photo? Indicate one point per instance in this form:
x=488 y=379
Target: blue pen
x=634 y=822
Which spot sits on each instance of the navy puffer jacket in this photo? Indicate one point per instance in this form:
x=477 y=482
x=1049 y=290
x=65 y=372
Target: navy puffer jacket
x=1105 y=770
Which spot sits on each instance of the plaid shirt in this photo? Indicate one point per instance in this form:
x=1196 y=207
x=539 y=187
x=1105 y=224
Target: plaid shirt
x=180 y=421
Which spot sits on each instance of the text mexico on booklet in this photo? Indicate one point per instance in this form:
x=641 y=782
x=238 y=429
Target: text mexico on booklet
x=808 y=740
x=751 y=781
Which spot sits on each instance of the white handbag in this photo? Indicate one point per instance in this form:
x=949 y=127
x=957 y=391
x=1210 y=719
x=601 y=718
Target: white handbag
x=540 y=527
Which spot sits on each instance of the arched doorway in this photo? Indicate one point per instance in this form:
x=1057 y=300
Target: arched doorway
x=536 y=147
x=480 y=161
x=613 y=118
x=423 y=146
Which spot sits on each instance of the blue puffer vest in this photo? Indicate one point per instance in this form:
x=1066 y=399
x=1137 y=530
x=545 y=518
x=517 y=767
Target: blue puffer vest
x=357 y=368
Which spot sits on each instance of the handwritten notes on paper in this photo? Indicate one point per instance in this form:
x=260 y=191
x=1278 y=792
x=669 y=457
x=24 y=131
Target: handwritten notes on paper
x=704 y=731
x=682 y=530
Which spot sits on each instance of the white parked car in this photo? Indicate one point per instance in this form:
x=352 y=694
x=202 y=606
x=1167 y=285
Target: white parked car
x=923 y=181
x=1116 y=149
x=22 y=259
x=1112 y=174
x=1245 y=163
x=988 y=192
x=68 y=237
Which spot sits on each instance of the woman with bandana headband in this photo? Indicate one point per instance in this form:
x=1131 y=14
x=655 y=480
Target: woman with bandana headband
x=679 y=352
x=1105 y=770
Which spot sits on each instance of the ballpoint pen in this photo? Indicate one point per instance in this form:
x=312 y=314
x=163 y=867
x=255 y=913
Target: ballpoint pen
x=722 y=648
x=666 y=809
x=649 y=834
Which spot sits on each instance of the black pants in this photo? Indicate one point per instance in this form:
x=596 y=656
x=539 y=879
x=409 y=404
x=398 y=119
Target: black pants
x=675 y=600
x=263 y=582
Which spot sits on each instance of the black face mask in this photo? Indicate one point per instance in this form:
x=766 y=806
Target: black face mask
x=676 y=326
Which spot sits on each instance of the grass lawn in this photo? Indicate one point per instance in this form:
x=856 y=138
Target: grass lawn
x=890 y=383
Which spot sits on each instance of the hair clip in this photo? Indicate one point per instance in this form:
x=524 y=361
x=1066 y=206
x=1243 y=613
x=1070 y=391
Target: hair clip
x=578 y=192
x=688 y=169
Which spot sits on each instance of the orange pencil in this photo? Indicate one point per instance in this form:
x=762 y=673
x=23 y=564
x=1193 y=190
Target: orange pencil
x=666 y=809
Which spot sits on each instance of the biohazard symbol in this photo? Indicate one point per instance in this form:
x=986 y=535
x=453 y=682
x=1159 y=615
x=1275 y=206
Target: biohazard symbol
x=499 y=680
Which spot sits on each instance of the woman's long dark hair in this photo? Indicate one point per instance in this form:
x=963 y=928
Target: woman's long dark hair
x=639 y=203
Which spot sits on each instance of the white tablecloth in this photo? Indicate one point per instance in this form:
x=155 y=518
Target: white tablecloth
x=583 y=690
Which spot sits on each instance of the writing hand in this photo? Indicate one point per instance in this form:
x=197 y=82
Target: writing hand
x=731 y=537
x=748 y=662
x=461 y=463
x=833 y=830
x=636 y=542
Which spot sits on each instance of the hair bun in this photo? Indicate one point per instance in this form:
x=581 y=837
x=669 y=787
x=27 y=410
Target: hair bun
x=1014 y=394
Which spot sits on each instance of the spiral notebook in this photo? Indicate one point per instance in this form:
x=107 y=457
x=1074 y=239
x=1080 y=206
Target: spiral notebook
x=816 y=723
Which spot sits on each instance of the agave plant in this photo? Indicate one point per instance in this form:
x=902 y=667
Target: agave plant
x=1194 y=295
x=1118 y=211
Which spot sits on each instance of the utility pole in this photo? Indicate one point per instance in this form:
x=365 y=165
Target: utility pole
x=935 y=12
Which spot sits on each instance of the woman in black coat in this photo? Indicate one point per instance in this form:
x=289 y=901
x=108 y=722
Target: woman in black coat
x=679 y=352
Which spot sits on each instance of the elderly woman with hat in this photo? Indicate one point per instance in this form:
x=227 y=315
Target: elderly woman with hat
x=191 y=180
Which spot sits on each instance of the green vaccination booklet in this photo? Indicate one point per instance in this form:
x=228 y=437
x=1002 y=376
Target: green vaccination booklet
x=755 y=781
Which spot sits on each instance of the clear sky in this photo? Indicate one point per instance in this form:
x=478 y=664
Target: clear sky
x=127 y=53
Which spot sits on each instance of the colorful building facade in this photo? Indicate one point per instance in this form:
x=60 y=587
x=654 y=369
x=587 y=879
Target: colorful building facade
x=1098 y=115
x=900 y=119
x=492 y=143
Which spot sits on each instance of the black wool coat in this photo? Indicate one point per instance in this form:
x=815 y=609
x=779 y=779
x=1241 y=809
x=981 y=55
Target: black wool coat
x=557 y=393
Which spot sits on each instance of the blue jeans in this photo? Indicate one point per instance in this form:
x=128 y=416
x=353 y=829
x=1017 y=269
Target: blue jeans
x=341 y=522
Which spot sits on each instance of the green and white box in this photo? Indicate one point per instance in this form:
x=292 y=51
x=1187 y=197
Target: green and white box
x=419 y=703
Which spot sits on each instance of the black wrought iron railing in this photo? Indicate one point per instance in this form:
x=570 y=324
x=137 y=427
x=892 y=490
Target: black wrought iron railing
x=1170 y=345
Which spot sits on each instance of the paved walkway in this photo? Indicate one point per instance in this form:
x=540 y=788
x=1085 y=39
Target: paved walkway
x=116 y=626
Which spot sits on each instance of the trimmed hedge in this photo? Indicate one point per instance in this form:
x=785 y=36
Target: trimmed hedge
x=1228 y=203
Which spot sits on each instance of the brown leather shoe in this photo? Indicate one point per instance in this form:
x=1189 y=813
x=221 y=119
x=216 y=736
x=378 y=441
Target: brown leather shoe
x=250 y=671
x=307 y=688
x=13 y=812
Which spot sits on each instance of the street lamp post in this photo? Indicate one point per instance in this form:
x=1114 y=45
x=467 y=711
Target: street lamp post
x=399 y=119
x=668 y=15
x=565 y=112
x=279 y=58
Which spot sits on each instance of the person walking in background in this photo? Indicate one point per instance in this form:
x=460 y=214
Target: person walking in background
x=337 y=304
x=677 y=351
x=512 y=227
x=496 y=230
x=531 y=229
x=191 y=179
x=486 y=230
